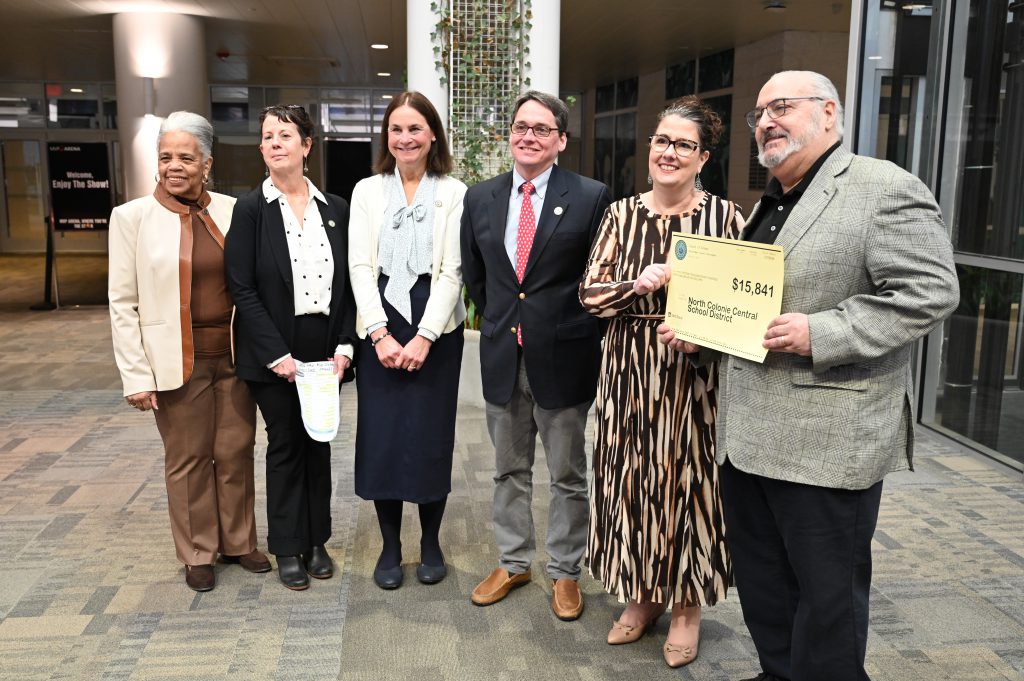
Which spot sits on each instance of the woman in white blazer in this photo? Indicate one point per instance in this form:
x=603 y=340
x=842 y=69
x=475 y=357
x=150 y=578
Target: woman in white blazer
x=170 y=315
x=404 y=266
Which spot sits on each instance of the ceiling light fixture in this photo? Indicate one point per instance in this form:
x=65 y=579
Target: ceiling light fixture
x=386 y=96
x=379 y=46
x=77 y=90
x=383 y=74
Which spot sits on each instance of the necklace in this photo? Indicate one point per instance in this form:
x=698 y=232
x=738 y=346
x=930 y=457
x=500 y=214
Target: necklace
x=679 y=208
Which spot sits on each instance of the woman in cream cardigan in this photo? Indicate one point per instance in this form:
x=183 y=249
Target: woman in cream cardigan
x=170 y=316
x=404 y=266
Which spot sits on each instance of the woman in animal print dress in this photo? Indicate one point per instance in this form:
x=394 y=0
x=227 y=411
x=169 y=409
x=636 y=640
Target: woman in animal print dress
x=657 y=536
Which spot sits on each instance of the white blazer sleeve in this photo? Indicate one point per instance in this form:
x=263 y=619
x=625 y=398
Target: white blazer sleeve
x=123 y=293
x=362 y=257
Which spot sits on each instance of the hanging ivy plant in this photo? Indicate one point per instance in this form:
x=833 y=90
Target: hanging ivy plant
x=481 y=50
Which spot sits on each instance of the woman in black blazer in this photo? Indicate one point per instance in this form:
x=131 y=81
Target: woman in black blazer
x=286 y=261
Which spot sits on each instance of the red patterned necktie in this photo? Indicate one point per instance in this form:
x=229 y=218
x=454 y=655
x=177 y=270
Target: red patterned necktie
x=524 y=240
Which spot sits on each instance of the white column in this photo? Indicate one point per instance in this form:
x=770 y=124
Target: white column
x=170 y=49
x=545 y=43
x=424 y=75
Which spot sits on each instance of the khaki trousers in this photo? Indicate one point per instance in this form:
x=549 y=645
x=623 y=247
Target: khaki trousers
x=513 y=428
x=208 y=427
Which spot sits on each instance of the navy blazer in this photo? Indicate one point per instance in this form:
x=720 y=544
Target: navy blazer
x=561 y=341
x=259 y=276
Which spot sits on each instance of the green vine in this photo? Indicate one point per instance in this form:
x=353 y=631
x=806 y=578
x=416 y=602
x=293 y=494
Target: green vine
x=484 y=78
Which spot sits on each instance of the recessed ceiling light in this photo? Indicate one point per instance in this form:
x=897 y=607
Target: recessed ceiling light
x=379 y=46
x=385 y=96
x=383 y=74
x=77 y=90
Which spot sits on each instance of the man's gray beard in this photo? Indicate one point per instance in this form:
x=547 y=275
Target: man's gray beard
x=793 y=144
x=775 y=158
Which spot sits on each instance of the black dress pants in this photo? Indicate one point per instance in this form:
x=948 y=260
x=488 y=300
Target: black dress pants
x=802 y=560
x=298 y=467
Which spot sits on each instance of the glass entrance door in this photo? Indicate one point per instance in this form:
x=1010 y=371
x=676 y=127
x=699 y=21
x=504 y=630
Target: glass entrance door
x=24 y=208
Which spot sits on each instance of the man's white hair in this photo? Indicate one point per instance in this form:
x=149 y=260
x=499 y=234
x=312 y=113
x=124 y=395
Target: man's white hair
x=822 y=87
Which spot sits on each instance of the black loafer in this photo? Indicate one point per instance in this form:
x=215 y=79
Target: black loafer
x=292 y=573
x=319 y=563
x=431 y=574
x=388 y=578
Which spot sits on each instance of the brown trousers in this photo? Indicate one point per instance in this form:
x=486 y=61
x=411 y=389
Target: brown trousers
x=208 y=427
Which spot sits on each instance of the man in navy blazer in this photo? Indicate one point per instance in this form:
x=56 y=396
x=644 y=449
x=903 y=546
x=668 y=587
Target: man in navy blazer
x=526 y=237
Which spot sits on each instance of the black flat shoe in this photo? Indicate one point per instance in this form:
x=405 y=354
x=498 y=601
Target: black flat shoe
x=319 y=563
x=431 y=574
x=292 y=573
x=388 y=578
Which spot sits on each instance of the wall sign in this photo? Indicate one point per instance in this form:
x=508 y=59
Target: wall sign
x=79 y=185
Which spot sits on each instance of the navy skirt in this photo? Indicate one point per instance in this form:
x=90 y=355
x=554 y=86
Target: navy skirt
x=406 y=426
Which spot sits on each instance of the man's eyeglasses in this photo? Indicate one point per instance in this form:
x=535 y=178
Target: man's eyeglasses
x=540 y=130
x=777 y=108
x=683 y=148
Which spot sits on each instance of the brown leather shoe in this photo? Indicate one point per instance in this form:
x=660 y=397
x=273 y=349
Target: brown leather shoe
x=200 y=577
x=566 y=599
x=497 y=585
x=677 y=656
x=254 y=561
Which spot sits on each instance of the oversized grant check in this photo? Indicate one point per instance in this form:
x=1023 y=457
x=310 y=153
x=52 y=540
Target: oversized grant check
x=723 y=293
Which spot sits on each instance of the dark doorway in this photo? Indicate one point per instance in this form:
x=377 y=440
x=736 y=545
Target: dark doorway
x=346 y=162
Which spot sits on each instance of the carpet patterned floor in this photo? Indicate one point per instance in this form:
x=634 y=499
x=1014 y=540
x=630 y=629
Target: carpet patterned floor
x=90 y=589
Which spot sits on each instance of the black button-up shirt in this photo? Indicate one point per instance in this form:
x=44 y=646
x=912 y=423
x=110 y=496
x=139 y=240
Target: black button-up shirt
x=775 y=206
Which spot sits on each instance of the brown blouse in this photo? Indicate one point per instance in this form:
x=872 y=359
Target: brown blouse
x=211 y=303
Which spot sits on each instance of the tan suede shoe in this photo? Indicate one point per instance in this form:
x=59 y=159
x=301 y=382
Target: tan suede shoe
x=566 y=599
x=621 y=634
x=677 y=656
x=497 y=585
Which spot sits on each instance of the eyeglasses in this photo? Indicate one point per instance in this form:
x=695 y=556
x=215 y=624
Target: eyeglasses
x=777 y=108
x=683 y=148
x=540 y=130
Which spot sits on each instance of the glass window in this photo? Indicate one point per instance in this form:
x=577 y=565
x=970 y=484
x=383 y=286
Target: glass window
x=303 y=96
x=233 y=111
x=604 y=99
x=626 y=93
x=237 y=166
x=715 y=175
x=990 y=216
x=24 y=185
x=109 y=98
x=349 y=111
x=22 y=105
x=625 y=155
x=681 y=80
x=72 y=106
x=604 y=149
x=979 y=380
x=981 y=396
x=715 y=71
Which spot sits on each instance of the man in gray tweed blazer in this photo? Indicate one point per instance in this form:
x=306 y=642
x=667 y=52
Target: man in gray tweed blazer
x=805 y=438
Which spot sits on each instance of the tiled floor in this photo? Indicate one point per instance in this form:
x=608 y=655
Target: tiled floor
x=90 y=589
